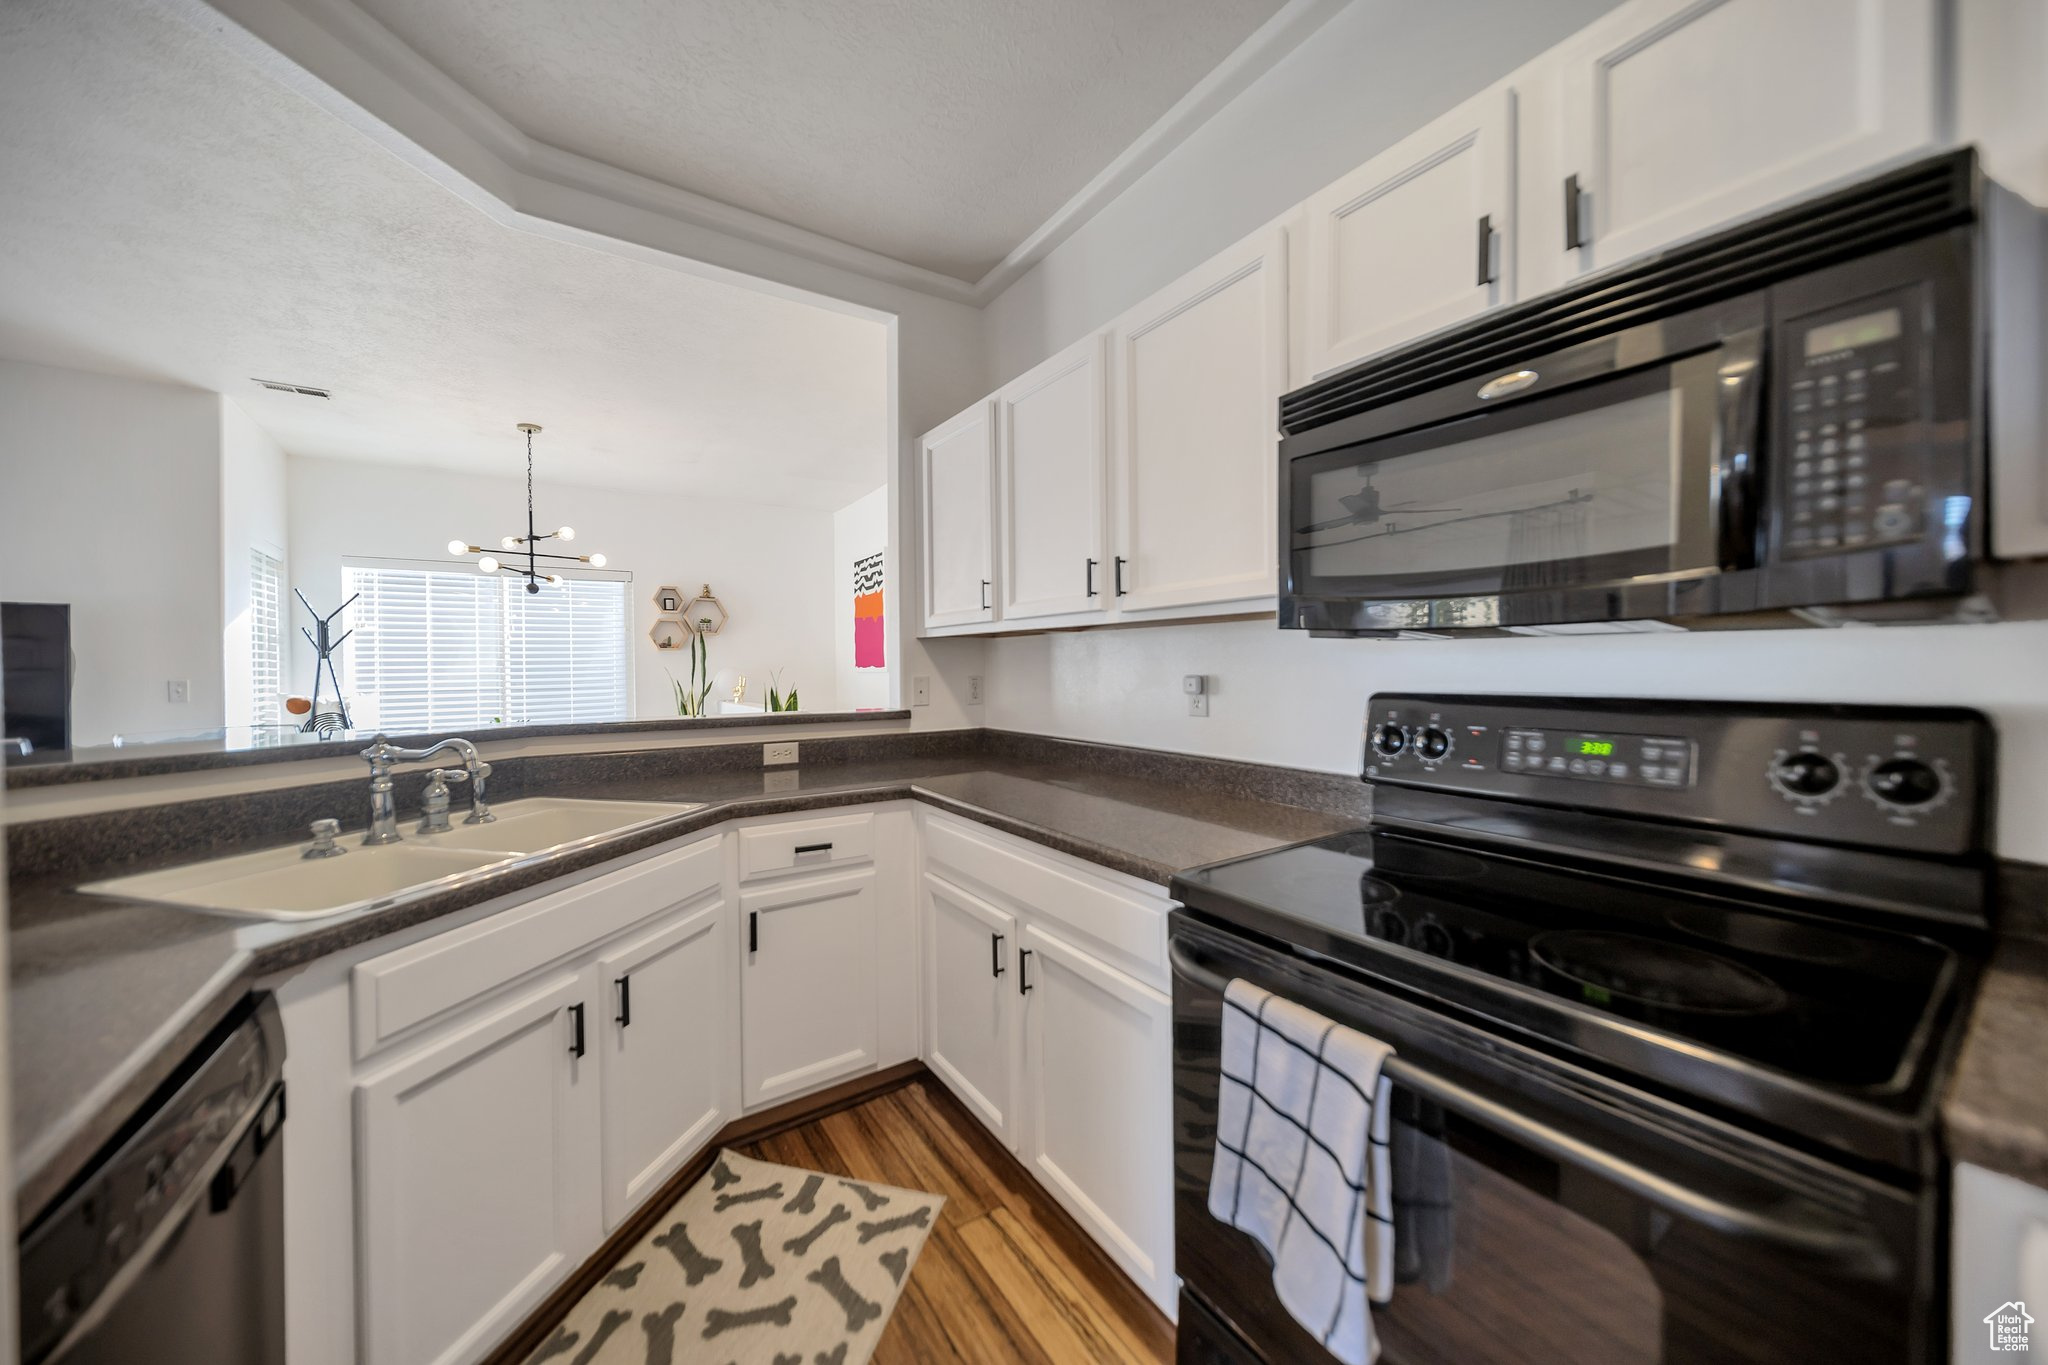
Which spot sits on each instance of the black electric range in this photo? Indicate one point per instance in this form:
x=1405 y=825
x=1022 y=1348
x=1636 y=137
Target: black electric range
x=1682 y=966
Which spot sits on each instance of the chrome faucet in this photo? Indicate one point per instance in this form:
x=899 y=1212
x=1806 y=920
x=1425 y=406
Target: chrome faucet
x=383 y=756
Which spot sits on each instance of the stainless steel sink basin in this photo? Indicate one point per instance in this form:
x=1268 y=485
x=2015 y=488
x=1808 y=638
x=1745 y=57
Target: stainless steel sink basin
x=280 y=884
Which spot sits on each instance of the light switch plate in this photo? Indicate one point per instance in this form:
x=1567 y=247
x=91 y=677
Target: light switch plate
x=178 y=690
x=776 y=755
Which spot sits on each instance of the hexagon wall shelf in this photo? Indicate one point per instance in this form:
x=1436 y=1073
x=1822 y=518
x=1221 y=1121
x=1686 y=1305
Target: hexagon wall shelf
x=669 y=633
x=669 y=601
x=705 y=607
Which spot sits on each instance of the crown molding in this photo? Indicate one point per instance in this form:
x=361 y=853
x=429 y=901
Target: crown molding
x=342 y=59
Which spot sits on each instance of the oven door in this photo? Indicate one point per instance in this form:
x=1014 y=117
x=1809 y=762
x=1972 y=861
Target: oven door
x=1580 y=486
x=1544 y=1214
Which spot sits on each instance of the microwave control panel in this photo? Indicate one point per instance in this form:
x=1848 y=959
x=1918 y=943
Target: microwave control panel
x=1906 y=778
x=1852 y=463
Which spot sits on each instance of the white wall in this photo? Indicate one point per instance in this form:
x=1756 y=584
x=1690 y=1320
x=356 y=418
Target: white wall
x=110 y=500
x=253 y=516
x=859 y=529
x=1374 y=73
x=770 y=566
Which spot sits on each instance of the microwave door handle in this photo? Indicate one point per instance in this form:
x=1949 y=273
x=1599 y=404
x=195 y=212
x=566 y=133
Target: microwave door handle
x=1738 y=389
x=1828 y=1241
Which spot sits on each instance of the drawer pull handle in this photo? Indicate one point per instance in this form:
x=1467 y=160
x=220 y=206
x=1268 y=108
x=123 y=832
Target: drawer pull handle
x=1574 y=214
x=1485 y=248
x=576 y=1038
x=625 y=985
x=995 y=953
x=753 y=931
x=802 y=849
x=1024 y=972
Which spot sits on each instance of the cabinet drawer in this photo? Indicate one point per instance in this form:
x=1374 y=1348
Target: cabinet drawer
x=403 y=989
x=806 y=845
x=1125 y=927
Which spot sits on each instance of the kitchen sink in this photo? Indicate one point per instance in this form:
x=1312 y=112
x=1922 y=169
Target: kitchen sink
x=543 y=822
x=281 y=884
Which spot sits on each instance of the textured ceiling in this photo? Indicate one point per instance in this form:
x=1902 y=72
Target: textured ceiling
x=171 y=213
x=937 y=132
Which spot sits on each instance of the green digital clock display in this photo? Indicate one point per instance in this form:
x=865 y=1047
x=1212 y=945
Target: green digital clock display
x=1596 y=748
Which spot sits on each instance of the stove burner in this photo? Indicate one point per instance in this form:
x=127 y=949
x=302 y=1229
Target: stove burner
x=1771 y=937
x=1662 y=975
x=1424 y=863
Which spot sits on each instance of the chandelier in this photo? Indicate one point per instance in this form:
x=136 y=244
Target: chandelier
x=527 y=545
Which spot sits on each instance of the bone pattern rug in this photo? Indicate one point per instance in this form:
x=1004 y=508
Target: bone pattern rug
x=757 y=1264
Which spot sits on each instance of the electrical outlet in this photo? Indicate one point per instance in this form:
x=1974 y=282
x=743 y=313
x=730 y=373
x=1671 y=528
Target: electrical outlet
x=179 y=690
x=920 y=691
x=974 y=689
x=1196 y=686
x=776 y=755
x=1198 y=704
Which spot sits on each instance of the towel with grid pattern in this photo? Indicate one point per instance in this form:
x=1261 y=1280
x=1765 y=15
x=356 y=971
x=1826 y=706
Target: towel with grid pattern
x=1301 y=1162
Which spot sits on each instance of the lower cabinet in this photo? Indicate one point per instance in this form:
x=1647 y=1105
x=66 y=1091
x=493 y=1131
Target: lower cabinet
x=478 y=1178
x=1098 y=1113
x=970 y=1031
x=661 y=1050
x=809 y=992
x=1065 y=1055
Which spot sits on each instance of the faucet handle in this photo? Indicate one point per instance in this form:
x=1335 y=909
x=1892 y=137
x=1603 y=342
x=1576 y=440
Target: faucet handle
x=324 y=845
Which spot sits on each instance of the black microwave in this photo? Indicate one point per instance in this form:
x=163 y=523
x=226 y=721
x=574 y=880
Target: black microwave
x=1784 y=416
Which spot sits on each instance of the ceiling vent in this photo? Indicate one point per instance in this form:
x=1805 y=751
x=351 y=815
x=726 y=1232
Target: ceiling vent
x=279 y=386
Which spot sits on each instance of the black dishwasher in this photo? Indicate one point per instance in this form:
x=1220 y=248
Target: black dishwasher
x=171 y=1245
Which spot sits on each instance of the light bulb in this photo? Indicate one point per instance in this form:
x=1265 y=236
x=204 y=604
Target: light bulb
x=510 y=542
x=566 y=533
x=487 y=565
x=458 y=547
x=597 y=561
x=554 y=580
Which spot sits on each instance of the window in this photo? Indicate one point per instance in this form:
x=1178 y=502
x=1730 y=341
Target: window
x=266 y=637
x=442 y=648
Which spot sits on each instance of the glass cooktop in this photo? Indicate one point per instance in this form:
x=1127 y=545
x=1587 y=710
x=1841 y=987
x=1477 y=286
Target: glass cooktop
x=1821 y=1000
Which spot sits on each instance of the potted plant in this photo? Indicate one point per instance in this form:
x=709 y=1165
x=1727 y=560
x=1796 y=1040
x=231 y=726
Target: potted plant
x=777 y=699
x=694 y=701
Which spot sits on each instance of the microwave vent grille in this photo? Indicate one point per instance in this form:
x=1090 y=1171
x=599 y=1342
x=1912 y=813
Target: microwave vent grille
x=1915 y=201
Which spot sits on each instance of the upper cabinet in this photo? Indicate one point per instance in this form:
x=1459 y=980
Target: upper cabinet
x=1680 y=115
x=1197 y=373
x=953 y=466
x=1417 y=238
x=1049 y=461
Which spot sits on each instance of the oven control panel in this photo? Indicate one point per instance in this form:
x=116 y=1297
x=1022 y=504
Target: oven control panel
x=1912 y=779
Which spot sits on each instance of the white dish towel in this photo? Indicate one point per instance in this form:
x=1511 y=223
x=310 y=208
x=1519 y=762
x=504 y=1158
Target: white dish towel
x=1301 y=1162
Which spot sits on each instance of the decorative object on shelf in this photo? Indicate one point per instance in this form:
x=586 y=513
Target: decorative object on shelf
x=528 y=544
x=325 y=642
x=867 y=612
x=739 y=689
x=695 y=700
x=669 y=632
x=696 y=613
x=777 y=699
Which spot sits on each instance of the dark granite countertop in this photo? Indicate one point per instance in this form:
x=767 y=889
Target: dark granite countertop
x=108 y=996
x=1996 y=1110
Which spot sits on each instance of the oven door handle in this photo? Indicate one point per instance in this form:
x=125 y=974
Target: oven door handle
x=1822 y=1240
x=1738 y=402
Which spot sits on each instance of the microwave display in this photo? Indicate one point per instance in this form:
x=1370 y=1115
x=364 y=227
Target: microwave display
x=1849 y=333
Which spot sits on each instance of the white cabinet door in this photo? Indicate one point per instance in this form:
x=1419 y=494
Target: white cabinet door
x=478 y=1183
x=970 y=1029
x=1199 y=369
x=1097 y=1129
x=1681 y=115
x=663 y=1050
x=1049 y=457
x=1417 y=238
x=954 y=463
x=808 y=996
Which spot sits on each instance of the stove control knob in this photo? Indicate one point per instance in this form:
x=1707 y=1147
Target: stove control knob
x=1432 y=743
x=1903 y=782
x=1807 y=774
x=1389 y=740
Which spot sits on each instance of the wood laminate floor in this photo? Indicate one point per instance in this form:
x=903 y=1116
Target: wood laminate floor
x=1004 y=1277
